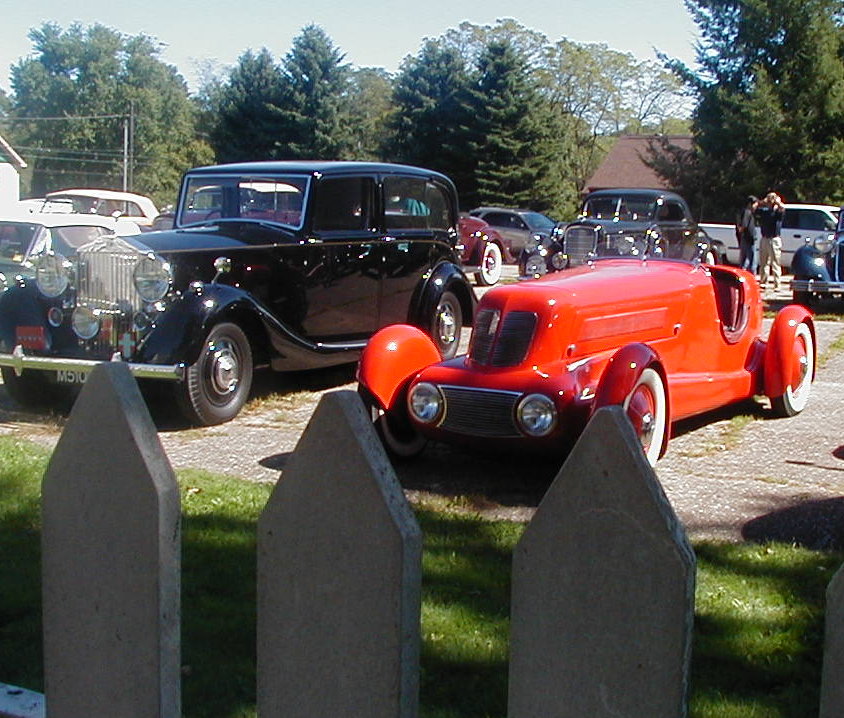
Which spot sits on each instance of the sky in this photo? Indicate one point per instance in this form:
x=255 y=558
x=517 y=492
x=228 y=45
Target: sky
x=371 y=33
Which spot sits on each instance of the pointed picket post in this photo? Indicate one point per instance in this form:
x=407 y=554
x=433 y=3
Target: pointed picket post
x=832 y=685
x=339 y=566
x=603 y=589
x=111 y=559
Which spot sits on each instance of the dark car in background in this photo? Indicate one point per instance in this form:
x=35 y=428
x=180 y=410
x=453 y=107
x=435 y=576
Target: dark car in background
x=517 y=227
x=624 y=222
x=291 y=265
x=818 y=266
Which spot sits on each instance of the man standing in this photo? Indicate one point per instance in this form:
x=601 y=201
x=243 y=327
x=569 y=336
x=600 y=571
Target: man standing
x=746 y=234
x=769 y=216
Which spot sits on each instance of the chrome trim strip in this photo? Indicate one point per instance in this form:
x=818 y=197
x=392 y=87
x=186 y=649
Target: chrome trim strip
x=815 y=285
x=20 y=361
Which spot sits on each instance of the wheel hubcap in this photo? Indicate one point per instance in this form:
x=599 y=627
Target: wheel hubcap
x=225 y=368
x=641 y=413
x=447 y=324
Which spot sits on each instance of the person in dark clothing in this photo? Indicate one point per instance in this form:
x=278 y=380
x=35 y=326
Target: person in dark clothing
x=746 y=234
x=769 y=217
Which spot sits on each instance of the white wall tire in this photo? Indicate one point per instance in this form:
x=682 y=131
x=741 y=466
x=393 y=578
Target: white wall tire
x=647 y=408
x=797 y=391
x=490 y=266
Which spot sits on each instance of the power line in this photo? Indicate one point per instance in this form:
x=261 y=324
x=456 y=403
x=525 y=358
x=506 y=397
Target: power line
x=65 y=118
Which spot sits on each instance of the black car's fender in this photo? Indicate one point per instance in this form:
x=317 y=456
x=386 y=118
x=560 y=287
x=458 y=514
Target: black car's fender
x=445 y=277
x=804 y=264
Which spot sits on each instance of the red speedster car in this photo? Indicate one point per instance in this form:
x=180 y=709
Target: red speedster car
x=665 y=339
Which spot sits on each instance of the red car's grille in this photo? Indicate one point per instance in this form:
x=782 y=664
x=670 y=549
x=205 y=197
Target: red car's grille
x=508 y=346
x=480 y=412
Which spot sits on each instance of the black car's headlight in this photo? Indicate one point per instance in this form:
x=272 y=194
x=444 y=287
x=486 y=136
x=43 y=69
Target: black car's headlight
x=535 y=265
x=152 y=278
x=825 y=244
x=533 y=243
x=426 y=403
x=536 y=414
x=52 y=274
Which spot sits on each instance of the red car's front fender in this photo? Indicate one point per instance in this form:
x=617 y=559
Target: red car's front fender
x=392 y=356
x=782 y=354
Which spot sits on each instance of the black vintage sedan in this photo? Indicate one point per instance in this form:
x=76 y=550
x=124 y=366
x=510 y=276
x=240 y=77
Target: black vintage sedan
x=292 y=265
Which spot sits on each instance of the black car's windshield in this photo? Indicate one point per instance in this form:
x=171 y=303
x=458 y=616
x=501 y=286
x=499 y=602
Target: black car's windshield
x=278 y=199
x=625 y=208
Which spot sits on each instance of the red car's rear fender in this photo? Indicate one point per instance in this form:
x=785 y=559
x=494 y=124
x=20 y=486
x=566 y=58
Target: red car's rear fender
x=782 y=355
x=392 y=356
x=622 y=374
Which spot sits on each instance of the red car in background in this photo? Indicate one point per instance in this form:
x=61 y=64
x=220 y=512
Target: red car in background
x=666 y=339
x=482 y=250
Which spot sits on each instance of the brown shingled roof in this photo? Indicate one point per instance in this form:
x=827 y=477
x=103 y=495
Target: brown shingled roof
x=624 y=165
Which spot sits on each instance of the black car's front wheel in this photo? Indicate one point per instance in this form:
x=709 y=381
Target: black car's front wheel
x=446 y=324
x=217 y=385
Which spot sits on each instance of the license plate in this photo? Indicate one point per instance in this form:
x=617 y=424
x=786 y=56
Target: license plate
x=71 y=377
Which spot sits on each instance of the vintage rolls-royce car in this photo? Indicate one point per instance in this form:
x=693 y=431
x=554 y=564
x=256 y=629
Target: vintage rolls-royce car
x=665 y=339
x=293 y=265
x=622 y=222
x=818 y=266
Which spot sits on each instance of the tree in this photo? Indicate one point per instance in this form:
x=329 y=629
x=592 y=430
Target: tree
x=511 y=153
x=315 y=111
x=431 y=117
x=247 y=109
x=88 y=90
x=369 y=109
x=770 y=98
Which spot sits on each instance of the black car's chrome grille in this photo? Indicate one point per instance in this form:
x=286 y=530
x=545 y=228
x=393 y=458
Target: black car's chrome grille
x=105 y=283
x=480 y=412
x=579 y=243
x=502 y=346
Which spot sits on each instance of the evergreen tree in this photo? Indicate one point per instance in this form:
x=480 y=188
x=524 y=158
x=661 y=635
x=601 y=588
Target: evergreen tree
x=315 y=108
x=431 y=121
x=508 y=134
x=248 y=110
x=770 y=93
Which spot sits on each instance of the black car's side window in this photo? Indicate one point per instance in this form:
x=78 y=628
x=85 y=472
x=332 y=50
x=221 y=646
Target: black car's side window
x=405 y=203
x=344 y=204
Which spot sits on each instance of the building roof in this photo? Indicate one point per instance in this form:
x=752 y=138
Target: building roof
x=8 y=155
x=625 y=164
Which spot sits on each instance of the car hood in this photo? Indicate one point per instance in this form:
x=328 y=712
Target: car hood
x=221 y=236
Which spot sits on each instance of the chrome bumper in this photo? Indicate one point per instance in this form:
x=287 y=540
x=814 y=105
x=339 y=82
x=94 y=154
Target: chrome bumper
x=817 y=286
x=19 y=361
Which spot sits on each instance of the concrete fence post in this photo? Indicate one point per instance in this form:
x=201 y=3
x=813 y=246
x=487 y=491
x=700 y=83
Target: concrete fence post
x=111 y=560
x=603 y=589
x=339 y=566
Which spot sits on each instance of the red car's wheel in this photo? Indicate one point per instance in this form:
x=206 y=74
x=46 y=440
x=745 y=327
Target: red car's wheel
x=490 y=269
x=645 y=406
x=395 y=430
x=796 y=395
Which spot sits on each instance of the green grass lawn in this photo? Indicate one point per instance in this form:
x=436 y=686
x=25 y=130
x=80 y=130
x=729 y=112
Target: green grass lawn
x=758 y=626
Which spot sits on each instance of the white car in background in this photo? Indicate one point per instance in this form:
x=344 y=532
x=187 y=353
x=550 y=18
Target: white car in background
x=25 y=235
x=103 y=202
x=802 y=223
